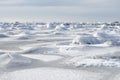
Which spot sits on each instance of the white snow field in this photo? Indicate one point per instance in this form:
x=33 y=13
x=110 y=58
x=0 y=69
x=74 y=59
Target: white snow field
x=59 y=51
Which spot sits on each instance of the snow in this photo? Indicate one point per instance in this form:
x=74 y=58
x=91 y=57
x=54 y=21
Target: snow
x=51 y=74
x=11 y=60
x=117 y=77
x=62 y=51
x=45 y=58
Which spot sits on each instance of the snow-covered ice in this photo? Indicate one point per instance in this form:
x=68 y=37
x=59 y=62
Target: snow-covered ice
x=62 y=51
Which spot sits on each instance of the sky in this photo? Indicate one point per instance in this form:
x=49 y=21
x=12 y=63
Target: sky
x=60 y=10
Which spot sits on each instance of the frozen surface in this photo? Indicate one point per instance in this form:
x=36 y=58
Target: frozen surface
x=62 y=51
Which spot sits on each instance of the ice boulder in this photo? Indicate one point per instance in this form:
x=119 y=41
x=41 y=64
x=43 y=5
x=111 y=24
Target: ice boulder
x=104 y=36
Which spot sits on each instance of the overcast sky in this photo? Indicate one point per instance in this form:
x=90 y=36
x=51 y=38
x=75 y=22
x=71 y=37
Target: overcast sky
x=59 y=10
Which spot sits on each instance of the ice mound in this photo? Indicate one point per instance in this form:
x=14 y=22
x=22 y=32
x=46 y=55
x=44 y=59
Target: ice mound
x=61 y=27
x=108 y=39
x=97 y=38
x=103 y=27
x=112 y=43
x=22 y=36
x=104 y=36
x=50 y=26
x=12 y=60
x=85 y=39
